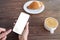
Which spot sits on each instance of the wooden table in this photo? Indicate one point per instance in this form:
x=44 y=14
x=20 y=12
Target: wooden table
x=10 y=10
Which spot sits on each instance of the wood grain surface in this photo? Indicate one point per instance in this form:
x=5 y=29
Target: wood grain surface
x=10 y=10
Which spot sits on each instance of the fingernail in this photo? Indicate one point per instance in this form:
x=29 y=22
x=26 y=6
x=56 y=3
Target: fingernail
x=10 y=29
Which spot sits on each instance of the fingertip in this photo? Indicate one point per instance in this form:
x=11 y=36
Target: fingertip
x=27 y=26
x=9 y=31
x=28 y=23
x=2 y=29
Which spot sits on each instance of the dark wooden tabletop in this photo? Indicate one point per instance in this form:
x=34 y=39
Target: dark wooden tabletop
x=10 y=10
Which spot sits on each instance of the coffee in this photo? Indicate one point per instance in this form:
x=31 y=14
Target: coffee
x=51 y=22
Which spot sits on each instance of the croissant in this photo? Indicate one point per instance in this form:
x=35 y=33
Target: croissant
x=35 y=5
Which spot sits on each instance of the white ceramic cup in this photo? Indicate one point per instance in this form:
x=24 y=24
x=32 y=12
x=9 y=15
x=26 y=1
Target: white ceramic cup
x=51 y=29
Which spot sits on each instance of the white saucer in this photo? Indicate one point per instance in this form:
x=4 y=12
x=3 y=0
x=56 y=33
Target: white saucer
x=32 y=11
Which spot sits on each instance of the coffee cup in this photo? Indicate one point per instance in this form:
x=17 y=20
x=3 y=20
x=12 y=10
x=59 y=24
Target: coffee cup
x=51 y=24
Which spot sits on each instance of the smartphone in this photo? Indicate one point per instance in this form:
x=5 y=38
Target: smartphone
x=21 y=23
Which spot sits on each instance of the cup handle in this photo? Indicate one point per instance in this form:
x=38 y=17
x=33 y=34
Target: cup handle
x=52 y=31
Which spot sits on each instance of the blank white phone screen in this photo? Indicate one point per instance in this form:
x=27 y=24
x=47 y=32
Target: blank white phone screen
x=21 y=23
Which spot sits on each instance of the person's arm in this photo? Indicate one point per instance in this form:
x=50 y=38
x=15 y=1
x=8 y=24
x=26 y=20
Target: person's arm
x=25 y=33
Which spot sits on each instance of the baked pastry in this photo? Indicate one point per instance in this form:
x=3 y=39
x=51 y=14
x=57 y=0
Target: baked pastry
x=35 y=5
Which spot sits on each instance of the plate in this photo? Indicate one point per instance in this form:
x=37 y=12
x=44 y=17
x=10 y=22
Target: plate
x=32 y=11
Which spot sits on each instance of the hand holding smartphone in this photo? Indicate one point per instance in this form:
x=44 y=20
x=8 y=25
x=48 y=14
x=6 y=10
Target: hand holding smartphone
x=21 y=23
